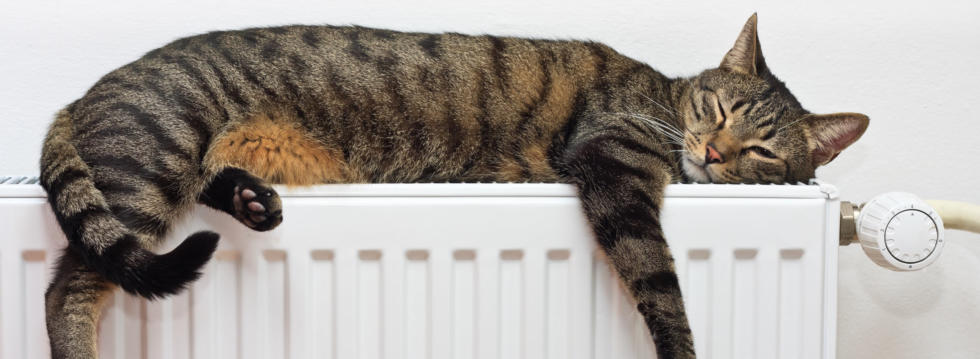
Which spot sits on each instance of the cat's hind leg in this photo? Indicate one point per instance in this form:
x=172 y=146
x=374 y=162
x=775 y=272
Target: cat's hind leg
x=244 y=196
x=73 y=304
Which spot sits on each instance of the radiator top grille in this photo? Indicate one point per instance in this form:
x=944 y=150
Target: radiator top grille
x=18 y=180
x=28 y=186
x=34 y=180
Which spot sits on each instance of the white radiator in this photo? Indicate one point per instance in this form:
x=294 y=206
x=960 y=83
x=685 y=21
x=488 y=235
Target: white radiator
x=456 y=271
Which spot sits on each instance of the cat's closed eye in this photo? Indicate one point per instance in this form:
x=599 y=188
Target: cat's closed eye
x=762 y=151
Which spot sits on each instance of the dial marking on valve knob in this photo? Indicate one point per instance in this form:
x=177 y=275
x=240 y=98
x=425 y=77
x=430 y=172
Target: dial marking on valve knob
x=905 y=232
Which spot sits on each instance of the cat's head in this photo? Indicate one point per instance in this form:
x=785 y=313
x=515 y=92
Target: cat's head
x=744 y=126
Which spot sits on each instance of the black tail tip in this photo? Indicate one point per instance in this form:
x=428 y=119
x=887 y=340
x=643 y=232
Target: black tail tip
x=199 y=245
x=170 y=273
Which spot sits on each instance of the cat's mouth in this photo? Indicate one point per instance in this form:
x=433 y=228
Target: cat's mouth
x=694 y=171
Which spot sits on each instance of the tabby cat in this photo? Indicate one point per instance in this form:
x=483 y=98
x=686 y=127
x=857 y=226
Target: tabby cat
x=217 y=118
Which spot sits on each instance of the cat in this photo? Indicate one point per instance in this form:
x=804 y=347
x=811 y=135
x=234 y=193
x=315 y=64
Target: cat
x=217 y=118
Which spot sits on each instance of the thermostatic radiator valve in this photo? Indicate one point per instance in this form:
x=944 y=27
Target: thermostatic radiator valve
x=901 y=232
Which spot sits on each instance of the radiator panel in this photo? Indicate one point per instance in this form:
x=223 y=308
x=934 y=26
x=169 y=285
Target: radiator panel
x=456 y=271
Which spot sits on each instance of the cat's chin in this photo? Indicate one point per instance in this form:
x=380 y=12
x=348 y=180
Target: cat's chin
x=696 y=173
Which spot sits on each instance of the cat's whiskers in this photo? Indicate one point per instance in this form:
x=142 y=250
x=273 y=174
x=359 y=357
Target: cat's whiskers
x=671 y=138
x=669 y=133
x=667 y=128
x=665 y=108
x=676 y=133
x=659 y=121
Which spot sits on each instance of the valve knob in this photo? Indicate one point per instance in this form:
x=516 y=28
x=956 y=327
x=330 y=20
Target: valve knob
x=900 y=232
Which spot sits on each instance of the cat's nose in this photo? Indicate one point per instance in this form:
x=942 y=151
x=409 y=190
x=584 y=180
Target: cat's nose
x=711 y=155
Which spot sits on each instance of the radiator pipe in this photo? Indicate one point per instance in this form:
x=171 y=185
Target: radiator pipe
x=958 y=215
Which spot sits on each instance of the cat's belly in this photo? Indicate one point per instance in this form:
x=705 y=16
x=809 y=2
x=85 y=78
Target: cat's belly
x=279 y=151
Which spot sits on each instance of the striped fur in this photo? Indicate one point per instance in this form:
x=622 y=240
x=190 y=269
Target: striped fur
x=211 y=118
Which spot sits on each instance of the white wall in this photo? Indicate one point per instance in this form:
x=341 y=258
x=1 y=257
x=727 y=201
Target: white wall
x=914 y=68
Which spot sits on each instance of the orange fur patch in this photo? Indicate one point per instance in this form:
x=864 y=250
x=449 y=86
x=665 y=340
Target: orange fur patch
x=537 y=157
x=278 y=151
x=509 y=170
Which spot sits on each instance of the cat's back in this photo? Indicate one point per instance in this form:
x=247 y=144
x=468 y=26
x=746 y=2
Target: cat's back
x=475 y=104
x=363 y=56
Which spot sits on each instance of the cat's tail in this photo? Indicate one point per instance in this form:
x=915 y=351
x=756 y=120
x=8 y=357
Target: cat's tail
x=99 y=238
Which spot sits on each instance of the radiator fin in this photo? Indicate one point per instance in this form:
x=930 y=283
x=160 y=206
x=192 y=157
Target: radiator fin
x=35 y=278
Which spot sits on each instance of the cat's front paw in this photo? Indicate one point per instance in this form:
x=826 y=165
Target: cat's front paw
x=257 y=206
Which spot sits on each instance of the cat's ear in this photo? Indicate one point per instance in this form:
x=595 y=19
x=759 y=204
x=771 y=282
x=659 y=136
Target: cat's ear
x=746 y=56
x=831 y=134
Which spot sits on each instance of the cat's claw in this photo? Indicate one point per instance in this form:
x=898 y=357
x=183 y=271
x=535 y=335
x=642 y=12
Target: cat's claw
x=258 y=208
